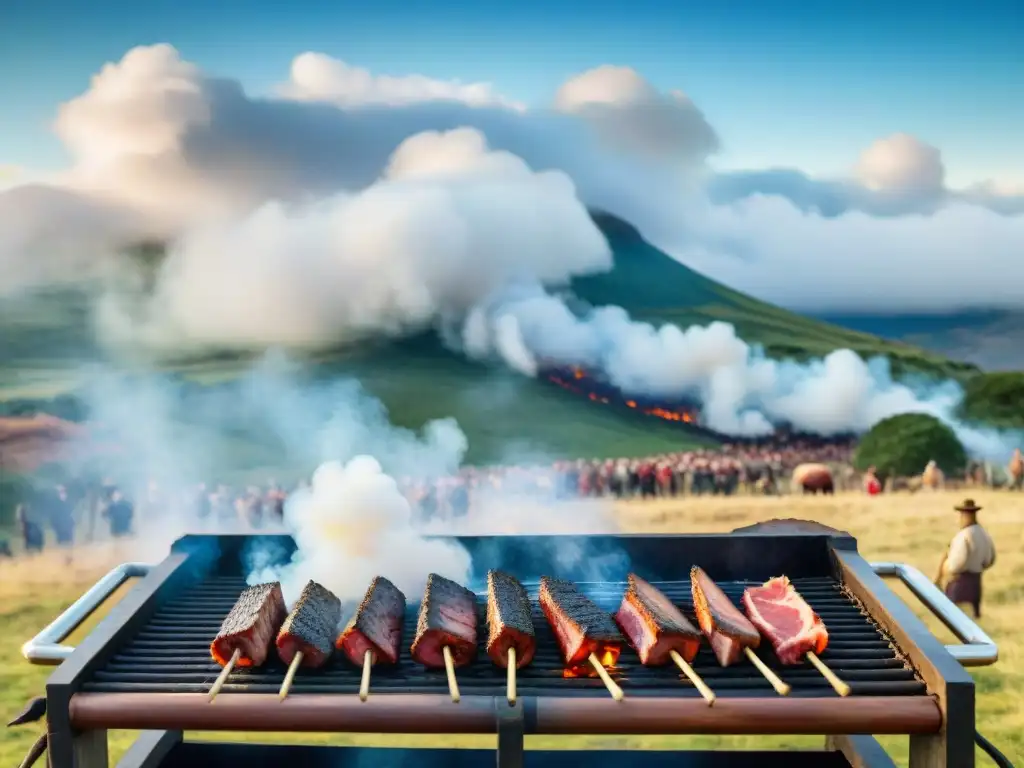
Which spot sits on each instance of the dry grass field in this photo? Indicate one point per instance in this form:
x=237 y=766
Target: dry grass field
x=912 y=529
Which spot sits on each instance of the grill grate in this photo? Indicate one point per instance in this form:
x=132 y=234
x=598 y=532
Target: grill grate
x=170 y=654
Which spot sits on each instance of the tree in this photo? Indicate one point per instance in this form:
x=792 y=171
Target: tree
x=902 y=445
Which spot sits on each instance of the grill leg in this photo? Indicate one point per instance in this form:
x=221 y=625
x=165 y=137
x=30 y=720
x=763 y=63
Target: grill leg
x=150 y=749
x=87 y=749
x=511 y=733
x=860 y=751
x=942 y=750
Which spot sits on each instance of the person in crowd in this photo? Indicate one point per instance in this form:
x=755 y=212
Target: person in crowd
x=27 y=519
x=62 y=518
x=119 y=514
x=969 y=555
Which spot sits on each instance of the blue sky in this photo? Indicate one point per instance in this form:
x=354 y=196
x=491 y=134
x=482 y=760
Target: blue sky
x=796 y=84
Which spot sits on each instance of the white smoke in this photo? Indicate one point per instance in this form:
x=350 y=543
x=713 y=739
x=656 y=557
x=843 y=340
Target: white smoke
x=450 y=222
x=352 y=524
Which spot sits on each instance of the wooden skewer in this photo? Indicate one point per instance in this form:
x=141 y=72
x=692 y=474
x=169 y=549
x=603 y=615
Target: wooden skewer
x=449 y=667
x=780 y=687
x=364 y=684
x=223 y=676
x=841 y=688
x=611 y=685
x=699 y=684
x=512 y=676
x=288 y=678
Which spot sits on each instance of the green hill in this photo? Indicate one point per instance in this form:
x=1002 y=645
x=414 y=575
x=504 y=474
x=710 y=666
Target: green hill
x=658 y=289
x=504 y=415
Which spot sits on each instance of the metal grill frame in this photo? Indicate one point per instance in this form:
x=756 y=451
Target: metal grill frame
x=738 y=556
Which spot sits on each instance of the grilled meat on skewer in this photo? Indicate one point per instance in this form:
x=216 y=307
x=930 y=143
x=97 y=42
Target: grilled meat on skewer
x=447 y=618
x=250 y=625
x=725 y=626
x=579 y=625
x=310 y=627
x=509 y=620
x=785 y=618
x=653 y=625
x=376 y=625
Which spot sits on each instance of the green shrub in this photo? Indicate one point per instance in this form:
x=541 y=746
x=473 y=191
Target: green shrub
x=902 y=445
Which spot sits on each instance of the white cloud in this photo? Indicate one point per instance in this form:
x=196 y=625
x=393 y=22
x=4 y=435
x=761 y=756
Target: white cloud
x=902 y=164
x=319 y=77
x=962 y=256
x=630 y=113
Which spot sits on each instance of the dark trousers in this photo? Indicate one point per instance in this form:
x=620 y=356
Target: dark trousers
x=965 y=589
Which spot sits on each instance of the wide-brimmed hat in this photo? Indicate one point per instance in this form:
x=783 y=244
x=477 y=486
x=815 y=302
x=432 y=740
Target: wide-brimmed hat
x=968 y=505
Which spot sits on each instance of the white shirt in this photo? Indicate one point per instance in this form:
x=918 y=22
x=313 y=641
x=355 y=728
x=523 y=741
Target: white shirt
x=970 y=551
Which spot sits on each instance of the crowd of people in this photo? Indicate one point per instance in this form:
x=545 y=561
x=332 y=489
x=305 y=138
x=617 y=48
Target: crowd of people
x=84 y=512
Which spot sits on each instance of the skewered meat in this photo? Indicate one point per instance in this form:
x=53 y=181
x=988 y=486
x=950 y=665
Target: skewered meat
x=785 y=618
x=310 y=627
x=447 y=618
x=509 y=619
x=376 y=625
x=579 y=625
x=727 y=629
x=250 y=626
x=653 y=625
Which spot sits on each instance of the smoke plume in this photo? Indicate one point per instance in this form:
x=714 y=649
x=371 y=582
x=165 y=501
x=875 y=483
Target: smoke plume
x=353 y=524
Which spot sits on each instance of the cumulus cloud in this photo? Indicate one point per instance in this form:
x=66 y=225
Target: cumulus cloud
x=894 y=176
x=319 y=77
x=902 y=164
x=629 y=112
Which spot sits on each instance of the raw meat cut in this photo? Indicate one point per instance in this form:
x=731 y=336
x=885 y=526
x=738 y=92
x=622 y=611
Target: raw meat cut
x=785 y=618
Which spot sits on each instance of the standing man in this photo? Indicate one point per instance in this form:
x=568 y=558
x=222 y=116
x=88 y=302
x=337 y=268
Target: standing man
x=970 y=553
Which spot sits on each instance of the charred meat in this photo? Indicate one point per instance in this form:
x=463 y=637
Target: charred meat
x=376 y=625
x=580 y=626
x=653 y=625
x=447 y=618
x=250 y=626
x=725 y=626
x=509 y=620
x=785 y=618
x=311 y=627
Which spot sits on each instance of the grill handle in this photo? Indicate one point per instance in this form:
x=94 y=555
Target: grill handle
x=977 y=650
x=46 y=648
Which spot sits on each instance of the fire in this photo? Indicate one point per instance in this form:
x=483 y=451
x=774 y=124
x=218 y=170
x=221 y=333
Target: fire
x=609 y=658
x=579 y=377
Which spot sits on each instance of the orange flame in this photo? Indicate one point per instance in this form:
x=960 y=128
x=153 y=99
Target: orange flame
x=609 y=657
x=579 y=375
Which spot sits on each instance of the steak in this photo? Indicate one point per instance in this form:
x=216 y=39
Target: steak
x=510 y=620
x=376 y=625
x=653 y=625
x=311 y=627
x=447 y=618
x=250 y=625
x=580 y=627
x=725 y=627
x=785 y=618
